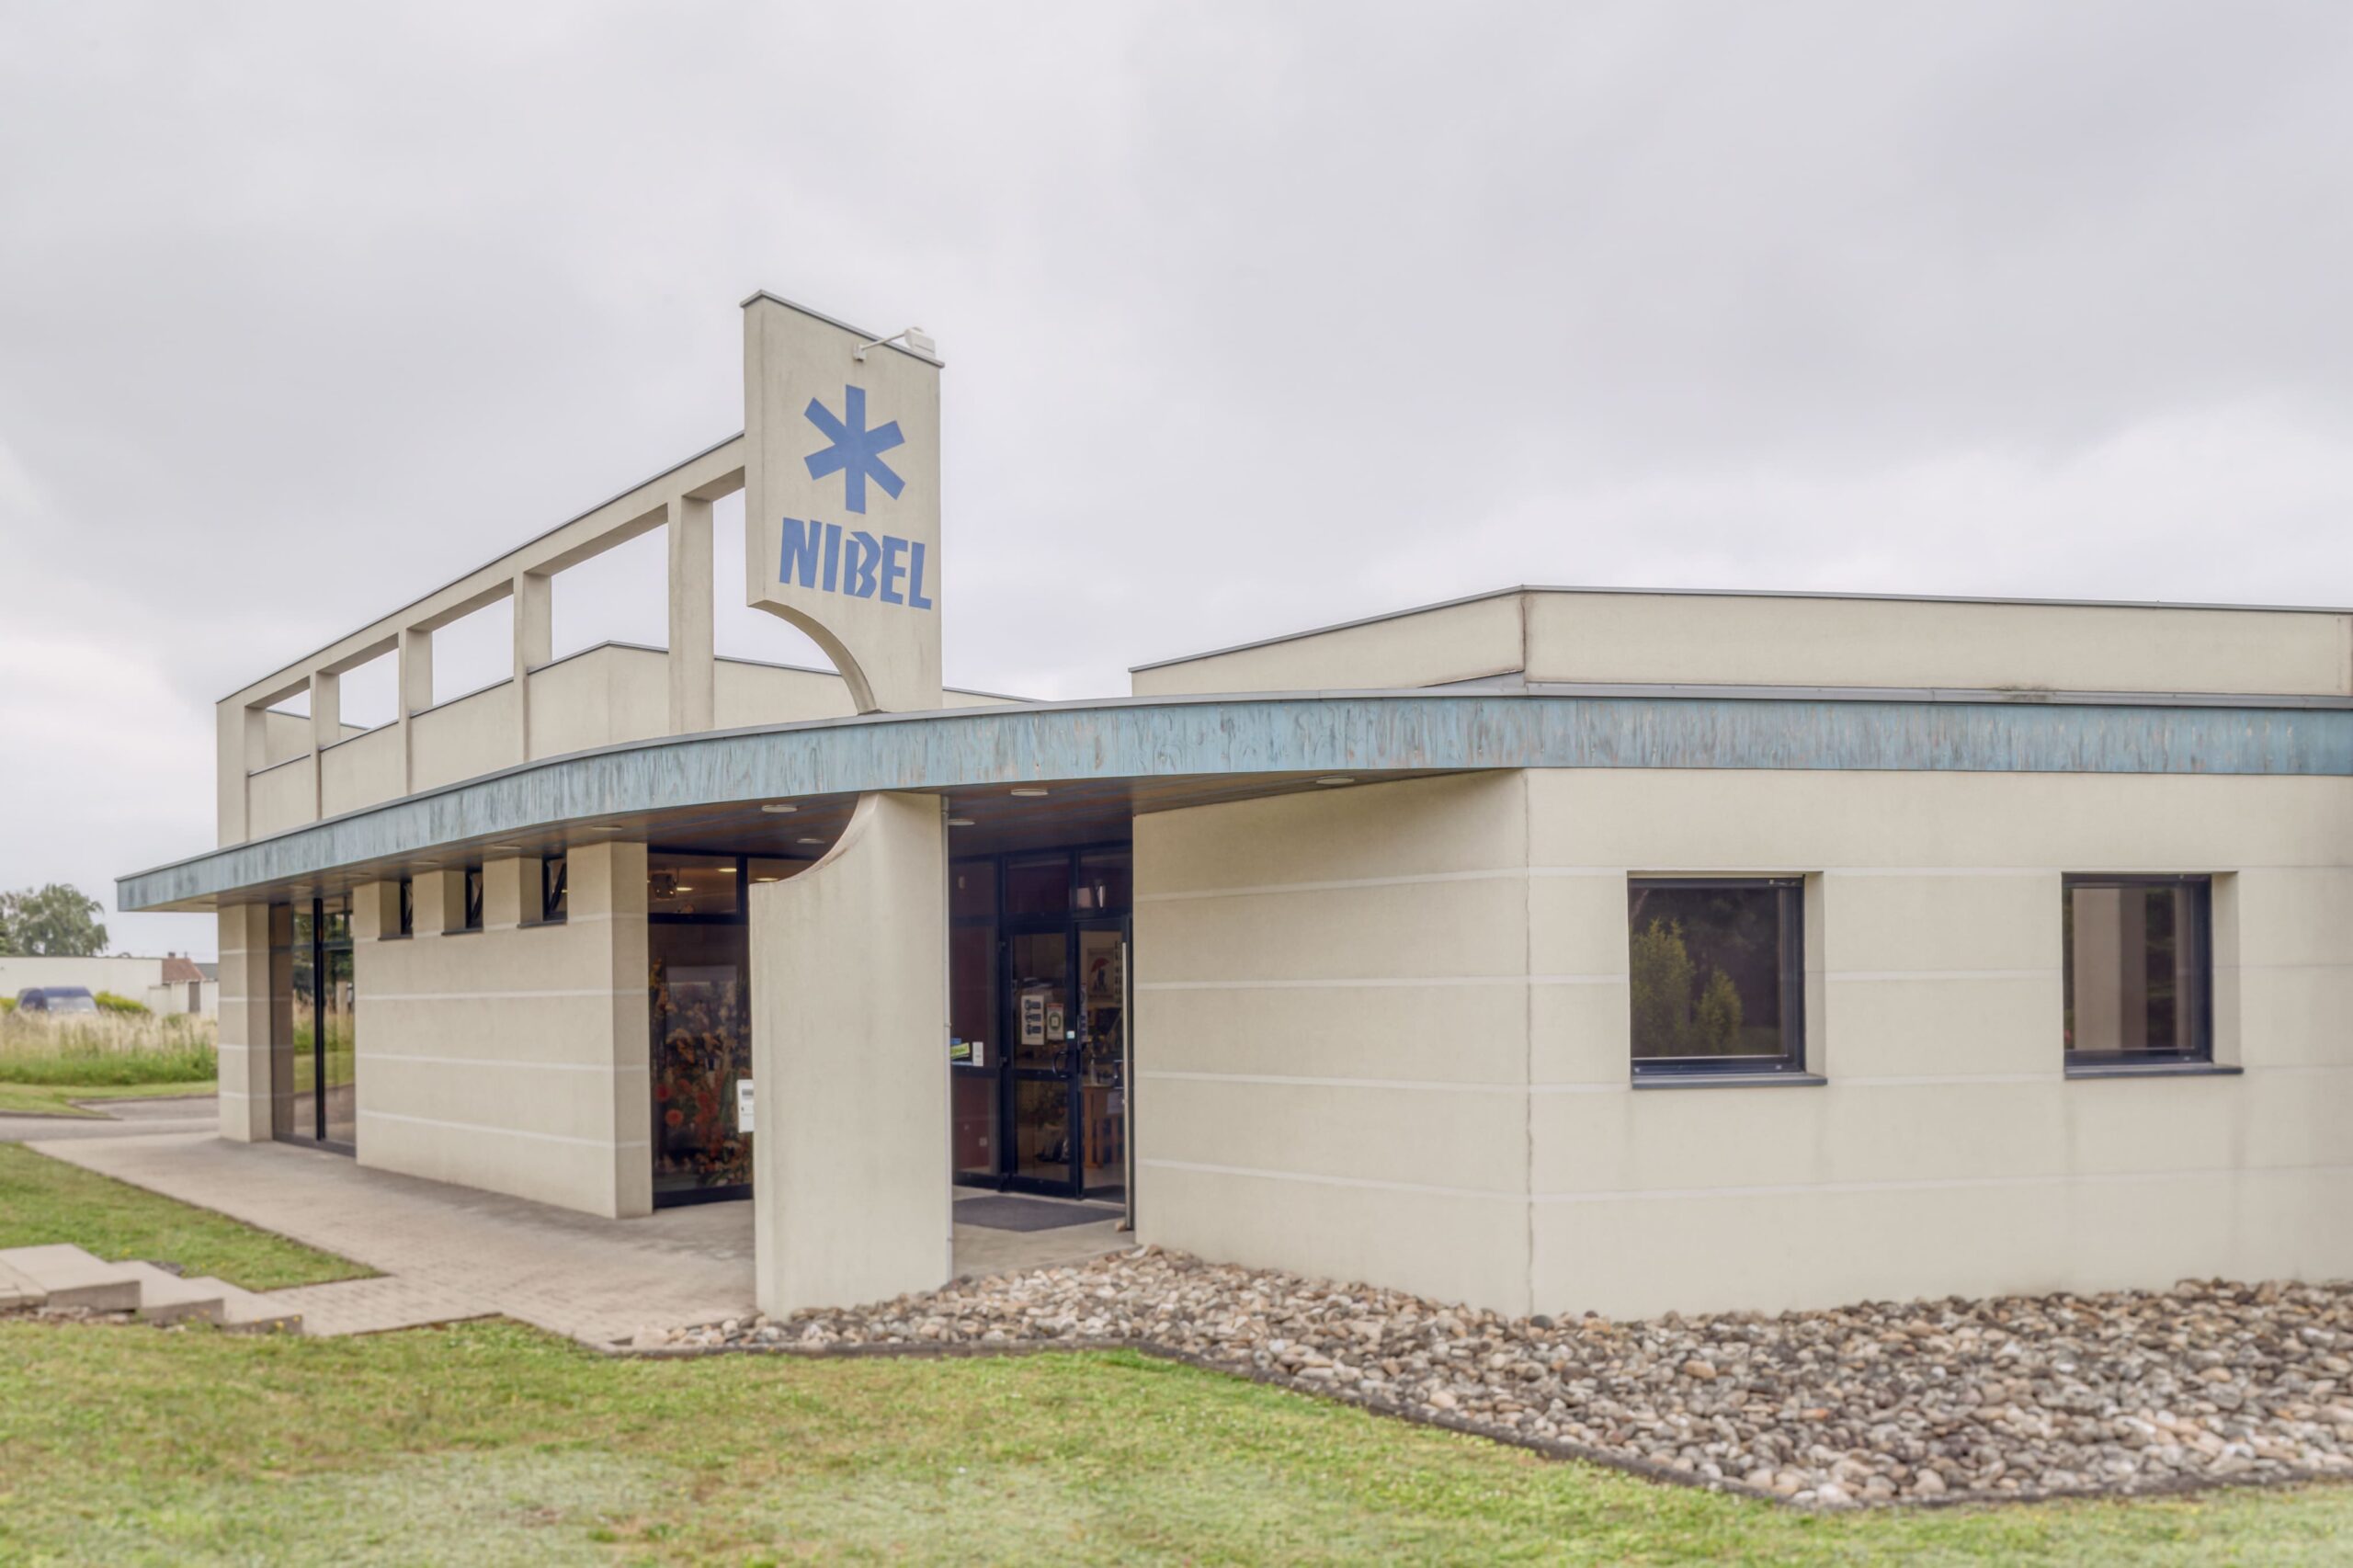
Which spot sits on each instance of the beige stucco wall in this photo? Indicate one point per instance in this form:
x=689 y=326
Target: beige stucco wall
x=1948 y=1152
x=514 y=1058
x=1459 y=642
x=599 y=696
x=474 y=734
x=282 y=796
x=1776 y=641
x=1780 y=639
x=1331 y=1034
x=360 y=771
x=1384 y=1034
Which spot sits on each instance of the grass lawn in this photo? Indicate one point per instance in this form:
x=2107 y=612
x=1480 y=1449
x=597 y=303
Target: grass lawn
x=44 y=1200
x=57 y=1099
x=490 y=1443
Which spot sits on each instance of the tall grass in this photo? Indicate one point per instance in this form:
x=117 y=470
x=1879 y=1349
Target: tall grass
x=107 y=1049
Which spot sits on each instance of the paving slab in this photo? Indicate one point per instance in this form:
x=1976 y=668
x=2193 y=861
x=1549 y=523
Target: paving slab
x=450 y=1251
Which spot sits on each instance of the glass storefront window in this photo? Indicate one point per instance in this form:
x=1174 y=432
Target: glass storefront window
x=1038 y=884
x=691 y=884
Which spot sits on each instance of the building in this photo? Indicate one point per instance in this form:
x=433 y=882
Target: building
x=1552 y=949
x=169 y=984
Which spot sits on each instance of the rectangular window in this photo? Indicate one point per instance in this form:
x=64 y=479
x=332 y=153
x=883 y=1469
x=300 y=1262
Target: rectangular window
x=408 y=907
x=473 y=898
x=554 y=893
x=2140 y=960
x=1718 y=974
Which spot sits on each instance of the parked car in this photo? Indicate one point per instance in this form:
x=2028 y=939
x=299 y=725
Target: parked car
x=52 y=1000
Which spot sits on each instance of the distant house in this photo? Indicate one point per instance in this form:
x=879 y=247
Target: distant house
x=173 y=984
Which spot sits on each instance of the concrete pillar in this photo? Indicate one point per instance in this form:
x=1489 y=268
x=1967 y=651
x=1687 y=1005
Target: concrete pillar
x=534 y=642
x=235 y=728
x=326 y=728
x=693 y=668
x=417 y=692
x=608 y=898
x=438 y=901
x=244 y=1023
x=505 y=899
x=851 y=1184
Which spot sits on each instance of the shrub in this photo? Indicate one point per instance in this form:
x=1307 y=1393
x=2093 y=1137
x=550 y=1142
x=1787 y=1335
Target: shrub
x=7 y=1005
x=109 y=1001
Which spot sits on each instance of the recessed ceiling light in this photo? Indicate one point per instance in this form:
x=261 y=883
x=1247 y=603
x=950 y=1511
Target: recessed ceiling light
x=1030 y=793
x=808 y=841
x=1335 y=779
x=960 y=822
x=723 y=870
x=767 y=878
x=778 y=808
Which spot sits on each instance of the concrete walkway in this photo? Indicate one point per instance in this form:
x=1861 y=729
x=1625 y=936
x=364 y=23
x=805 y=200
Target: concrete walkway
x=117 y=1118
x=448 y=1253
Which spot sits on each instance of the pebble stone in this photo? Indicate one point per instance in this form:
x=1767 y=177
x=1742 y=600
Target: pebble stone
x=2012 y=1397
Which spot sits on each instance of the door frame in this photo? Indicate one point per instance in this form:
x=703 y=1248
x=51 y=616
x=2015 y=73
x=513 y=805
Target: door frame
x=1006 y=1176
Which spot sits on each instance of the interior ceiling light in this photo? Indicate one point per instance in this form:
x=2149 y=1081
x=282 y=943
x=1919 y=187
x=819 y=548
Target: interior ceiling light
x=767 y=878
x=722 y=870
x=808 y=841
x=1031 y=792
x=778 y=808
x=960 y=822
x=1335 y=779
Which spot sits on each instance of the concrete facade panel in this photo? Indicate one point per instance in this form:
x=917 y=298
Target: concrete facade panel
x=1475 y=1034
x=1473 y=1138
x=466 y=738
x=1795 y=640
x=1463 y=642
x=361 y=771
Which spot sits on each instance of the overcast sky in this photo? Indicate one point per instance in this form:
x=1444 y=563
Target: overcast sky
x=1256 y=317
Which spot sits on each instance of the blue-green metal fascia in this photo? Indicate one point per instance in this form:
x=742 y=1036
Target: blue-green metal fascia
x=1361 y=734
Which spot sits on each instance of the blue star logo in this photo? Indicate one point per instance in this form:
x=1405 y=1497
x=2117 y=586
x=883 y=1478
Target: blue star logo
x=856 y=452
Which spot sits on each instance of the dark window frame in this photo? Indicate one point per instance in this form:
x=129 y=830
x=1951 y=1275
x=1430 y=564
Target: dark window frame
x=554 y=890
x=1791 y=1062
x=2200 y=1054
x=473 y=898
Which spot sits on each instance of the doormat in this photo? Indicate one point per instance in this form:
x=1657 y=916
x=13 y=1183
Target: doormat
x=1000 y=1211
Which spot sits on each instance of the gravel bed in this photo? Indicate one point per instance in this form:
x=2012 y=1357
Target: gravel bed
x=2014 y=1397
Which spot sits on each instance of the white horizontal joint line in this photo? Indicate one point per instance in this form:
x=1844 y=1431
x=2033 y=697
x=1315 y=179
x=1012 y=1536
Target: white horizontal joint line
x=501 y=1061
x=1385 y=982
x=501 y=1131
x=1362 y=1182
x=1420 y=879
x=1939 y=1184
x=490 y=996
x=1280 y=1079
x=1873 y=974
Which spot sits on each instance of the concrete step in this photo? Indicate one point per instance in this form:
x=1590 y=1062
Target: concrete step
x=164 y=1296
x=16 y=1290
x=245 y=1311
x=68 y=1277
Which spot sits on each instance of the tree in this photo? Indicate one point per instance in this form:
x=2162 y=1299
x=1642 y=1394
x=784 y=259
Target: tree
x=56 y=921
x=1715 y=1027
x=1661 y=976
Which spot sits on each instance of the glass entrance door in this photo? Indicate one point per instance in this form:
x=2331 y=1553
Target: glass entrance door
x=1037 y=1021
x=312 y=1040
x=1043 y=1028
